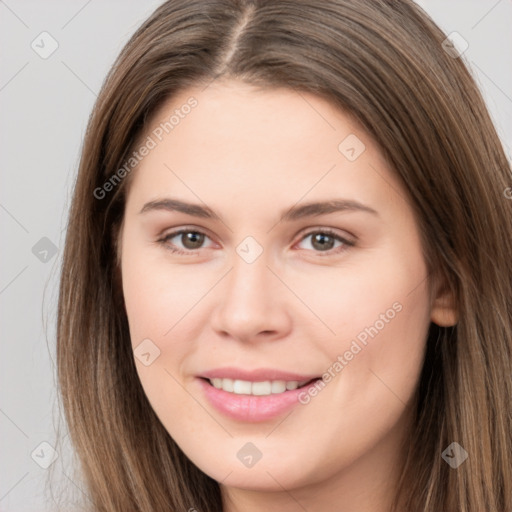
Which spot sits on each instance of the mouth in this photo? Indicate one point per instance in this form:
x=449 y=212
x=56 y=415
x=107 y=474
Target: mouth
x=255 y=395
x=257 y=388
x=250 y=401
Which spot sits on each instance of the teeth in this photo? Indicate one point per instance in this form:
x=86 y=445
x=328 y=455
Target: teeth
x=278 y=386
x=244 y=387
x=261 y=388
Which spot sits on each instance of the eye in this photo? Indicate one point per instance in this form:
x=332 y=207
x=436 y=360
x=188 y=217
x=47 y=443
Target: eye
x=325 y=240
x=322 y=241
x=190 y=240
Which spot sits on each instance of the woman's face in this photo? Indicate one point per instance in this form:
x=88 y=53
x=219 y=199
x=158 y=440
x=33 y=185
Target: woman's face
x=299 y=258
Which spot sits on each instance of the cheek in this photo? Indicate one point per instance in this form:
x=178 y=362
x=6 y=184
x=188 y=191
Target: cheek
x=163 y=304
x=158 y=301
x=159 y=295
x=379 y=315
x=367 y=297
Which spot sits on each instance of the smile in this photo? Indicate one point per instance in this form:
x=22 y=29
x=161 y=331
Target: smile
x=253 y=396
x=263 y=388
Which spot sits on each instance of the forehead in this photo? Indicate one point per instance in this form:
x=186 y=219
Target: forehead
x=240 y=115
x=233 y=139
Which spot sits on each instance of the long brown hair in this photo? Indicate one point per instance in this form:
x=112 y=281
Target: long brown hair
x=383 y=62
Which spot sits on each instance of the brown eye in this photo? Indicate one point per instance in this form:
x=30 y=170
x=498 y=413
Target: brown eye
x=192 y=239
x=184 y=241
x=326 y=241
x=322 y=241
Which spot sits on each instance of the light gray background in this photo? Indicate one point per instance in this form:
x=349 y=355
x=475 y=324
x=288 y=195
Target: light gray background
x=45 y=104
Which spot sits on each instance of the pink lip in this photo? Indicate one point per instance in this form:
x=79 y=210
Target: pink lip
x=256 y=375
x=251 y=408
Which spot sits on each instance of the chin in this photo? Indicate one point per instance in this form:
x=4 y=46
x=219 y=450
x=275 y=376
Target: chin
x=270 y=476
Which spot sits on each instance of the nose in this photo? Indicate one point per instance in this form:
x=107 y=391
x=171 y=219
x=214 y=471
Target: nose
x=252 y=303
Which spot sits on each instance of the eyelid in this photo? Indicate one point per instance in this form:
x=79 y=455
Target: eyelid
x=330 y=231
x=167 y=232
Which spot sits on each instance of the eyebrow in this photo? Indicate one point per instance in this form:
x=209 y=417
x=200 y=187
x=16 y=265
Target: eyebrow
x=294 y=213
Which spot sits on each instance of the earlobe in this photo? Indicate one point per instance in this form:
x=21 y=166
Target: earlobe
x=444 y=308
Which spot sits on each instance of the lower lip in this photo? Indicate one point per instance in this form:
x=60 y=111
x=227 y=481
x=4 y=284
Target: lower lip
x=252 y=408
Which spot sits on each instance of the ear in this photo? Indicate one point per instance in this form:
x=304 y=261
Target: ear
x=443 y=311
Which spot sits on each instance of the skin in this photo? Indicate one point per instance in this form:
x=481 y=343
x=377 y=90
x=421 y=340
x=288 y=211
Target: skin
x=249 y=155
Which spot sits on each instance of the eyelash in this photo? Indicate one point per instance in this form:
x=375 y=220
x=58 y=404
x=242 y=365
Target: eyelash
x=324 y=231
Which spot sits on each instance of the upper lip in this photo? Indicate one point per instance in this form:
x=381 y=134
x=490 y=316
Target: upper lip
x=256 y=375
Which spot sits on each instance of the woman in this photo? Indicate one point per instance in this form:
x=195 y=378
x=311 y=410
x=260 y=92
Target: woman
x=286 y=281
